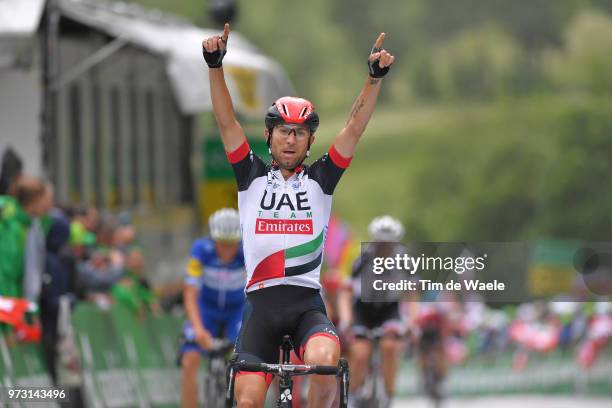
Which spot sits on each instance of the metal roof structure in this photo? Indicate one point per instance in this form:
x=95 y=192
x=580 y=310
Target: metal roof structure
x=254 y=80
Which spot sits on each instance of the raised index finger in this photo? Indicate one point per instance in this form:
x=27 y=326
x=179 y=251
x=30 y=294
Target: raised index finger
x=379 y=40
x=226 y=31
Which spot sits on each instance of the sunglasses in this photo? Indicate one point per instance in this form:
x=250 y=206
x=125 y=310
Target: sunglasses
x=301 y=132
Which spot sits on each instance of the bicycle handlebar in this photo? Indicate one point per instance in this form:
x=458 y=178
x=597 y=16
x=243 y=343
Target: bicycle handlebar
x=287 y=368
x=325 y=370
x=220 y=347
x=378 y=333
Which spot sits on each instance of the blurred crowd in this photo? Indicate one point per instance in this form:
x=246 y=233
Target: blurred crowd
x=51 y=251
x=531 y=330
x=581 y=330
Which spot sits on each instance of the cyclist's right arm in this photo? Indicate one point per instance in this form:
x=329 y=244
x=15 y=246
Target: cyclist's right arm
x=232 y=134
x=190 y=299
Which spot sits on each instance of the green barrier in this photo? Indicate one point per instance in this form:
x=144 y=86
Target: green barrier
x=109 y=379
x=128 y=359
x=157 y=376
x=167 y=330
x=27 y=361
x=552 y=373
x=5 y=364
x=23 y=365
x=138 y=338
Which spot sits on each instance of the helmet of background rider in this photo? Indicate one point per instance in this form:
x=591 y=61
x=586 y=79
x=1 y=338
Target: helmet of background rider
x=224 y=225
x=386 y=229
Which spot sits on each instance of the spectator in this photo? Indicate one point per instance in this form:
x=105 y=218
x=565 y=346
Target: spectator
x=82 y=227
x=16 y=215
x=16 y=218
x=99 y=273
x=134 y=290
x=58 y=280
x=11 y=169
x=34 y=253
x=124 y=238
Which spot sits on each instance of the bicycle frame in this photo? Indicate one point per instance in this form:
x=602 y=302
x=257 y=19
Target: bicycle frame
x=214 y=385
x=432 y=381
x=374 y=377
x=373 y=392
x=372 y=385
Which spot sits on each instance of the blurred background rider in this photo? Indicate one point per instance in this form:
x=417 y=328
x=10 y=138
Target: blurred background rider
x=213 y=295
x=361 y=316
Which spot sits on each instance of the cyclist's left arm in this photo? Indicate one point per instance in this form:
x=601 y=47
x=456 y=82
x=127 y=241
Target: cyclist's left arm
x=379 y=62
x=345 y=310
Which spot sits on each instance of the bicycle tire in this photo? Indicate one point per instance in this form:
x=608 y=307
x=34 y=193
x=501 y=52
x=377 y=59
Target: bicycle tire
x=431 y=382
x=220 y=385
x=214 y=385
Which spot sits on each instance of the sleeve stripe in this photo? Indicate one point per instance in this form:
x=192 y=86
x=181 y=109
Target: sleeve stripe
x=194 y=268
x=238 y=154
x=338 y=159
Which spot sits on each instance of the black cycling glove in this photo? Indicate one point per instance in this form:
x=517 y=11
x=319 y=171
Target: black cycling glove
x=214 y=59
x=375 y=69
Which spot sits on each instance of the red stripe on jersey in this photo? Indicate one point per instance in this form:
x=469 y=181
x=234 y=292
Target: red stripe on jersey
x=338 y=159
x=238 y=154
x=272 y=266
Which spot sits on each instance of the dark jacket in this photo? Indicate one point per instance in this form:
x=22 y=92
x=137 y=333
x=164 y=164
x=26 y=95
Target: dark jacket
x=60 y=273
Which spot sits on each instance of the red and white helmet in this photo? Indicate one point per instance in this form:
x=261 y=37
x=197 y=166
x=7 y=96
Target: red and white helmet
x=289 y=109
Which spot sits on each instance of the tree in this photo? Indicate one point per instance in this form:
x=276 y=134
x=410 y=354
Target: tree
x=576 y=196
x=585 y=63
x=475 y=64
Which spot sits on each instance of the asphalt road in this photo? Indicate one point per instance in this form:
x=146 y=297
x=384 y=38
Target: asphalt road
x=514 y=401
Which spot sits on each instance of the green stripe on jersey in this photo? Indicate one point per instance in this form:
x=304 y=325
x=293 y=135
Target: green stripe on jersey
x=305 y=248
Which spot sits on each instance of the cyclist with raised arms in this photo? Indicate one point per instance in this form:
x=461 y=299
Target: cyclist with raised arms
x=284 y=210
x=213 y=295
x=363 y=310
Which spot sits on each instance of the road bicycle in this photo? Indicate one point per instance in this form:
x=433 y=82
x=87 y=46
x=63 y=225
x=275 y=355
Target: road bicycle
x=286 y=371
x=372 y=393
x=431 y=355
x=215 y=382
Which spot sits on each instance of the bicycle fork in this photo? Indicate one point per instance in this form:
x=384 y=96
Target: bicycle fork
x=286 y=381
x=344 y=382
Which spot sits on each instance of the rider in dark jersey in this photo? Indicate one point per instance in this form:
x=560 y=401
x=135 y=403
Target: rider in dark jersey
x=284 y=210
x=363 y=309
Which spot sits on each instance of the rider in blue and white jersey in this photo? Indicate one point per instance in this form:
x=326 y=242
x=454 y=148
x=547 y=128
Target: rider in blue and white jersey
x=213 y=295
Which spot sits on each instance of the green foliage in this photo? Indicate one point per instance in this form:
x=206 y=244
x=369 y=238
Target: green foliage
x=192 y=10
x=585 y=63
x=534 y=24
x=476 y=137
x=478 y=63
x=576 y=196
x=317 y=54
x=504 y=171
x=444 y=48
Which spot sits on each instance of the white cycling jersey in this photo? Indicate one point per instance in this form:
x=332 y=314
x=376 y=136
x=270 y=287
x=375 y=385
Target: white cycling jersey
x=284 y=221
